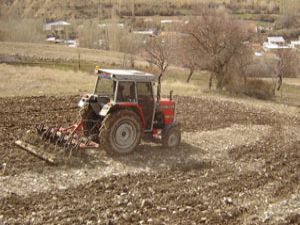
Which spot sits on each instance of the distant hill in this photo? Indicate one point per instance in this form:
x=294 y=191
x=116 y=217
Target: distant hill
x=50 y=9
x=68 y=9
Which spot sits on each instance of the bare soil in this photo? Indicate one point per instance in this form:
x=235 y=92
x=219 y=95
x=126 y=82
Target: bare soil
x=238 y=164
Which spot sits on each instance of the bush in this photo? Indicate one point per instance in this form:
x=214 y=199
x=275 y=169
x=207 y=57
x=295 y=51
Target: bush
x=287 y=33
x=266 y=18
x=258 y=89
x=255 y=88
x=262 y=6
x=287 y=22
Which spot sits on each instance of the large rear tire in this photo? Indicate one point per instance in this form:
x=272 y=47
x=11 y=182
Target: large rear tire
x=120 y=132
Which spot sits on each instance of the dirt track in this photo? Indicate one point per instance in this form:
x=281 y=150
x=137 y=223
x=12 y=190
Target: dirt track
x=237 y=165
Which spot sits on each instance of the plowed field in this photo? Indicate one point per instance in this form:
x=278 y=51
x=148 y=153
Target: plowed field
x=237 y=164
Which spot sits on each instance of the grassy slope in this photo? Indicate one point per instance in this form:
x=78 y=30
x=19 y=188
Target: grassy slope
x=60 y=78
x=34 y=80
x=26 y=80
x=61 y=59
x=61 y=53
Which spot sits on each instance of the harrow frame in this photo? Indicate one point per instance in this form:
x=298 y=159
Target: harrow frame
x=70 y=138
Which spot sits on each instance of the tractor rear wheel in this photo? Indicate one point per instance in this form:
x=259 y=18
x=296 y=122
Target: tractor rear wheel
x=120 y=132
x=171 y=138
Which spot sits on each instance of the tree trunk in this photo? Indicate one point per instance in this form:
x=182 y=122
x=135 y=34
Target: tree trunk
x=79 y=61
x=210 y=81
x=279 y=82
x=220 y=82
x=190 y=75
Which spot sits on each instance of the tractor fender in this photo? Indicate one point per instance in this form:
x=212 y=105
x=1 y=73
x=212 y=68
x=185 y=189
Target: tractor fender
x=170 y=126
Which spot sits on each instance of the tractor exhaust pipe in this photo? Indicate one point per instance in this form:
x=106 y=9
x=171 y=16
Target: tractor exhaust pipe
x=171 y=95
x=159 y=88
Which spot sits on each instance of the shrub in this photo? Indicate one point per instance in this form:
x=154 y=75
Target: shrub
x=266 y=18
x=258 y=89
x=287 y=33
x=287 y=22
x=254 y=87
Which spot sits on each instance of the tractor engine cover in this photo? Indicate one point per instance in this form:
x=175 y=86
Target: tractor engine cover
x=167 y=107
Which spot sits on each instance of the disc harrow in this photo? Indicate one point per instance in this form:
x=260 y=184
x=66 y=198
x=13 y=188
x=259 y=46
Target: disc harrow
x=46 y=142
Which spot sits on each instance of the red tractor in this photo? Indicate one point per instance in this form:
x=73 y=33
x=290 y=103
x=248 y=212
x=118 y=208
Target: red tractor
x=116 y=116
x=123 y=109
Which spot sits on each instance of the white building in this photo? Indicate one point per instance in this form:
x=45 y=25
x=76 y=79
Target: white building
x=106 y=25
x=144 y=32
x=273 y=43
x=295 y=44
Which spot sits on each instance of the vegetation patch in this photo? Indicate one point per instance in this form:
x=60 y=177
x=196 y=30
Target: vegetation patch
x=259 y=89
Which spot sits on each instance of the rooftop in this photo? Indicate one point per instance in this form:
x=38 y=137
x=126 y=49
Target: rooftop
x=61 y=23
x=277 y=39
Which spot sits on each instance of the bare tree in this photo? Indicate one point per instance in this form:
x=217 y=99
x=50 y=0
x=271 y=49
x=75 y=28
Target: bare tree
x=159 y=52
x=191 y=65
x=287 y=65
x=215 y=41
x=185 y=58
x=241 y=63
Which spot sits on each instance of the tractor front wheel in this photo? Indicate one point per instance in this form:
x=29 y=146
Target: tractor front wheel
x=120 y=132
x=171 y=137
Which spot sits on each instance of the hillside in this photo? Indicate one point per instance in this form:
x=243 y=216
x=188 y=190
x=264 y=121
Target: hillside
x=57 y=9
x=48 y=9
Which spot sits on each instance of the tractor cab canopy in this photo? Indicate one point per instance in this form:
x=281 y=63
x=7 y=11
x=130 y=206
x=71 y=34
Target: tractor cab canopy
x=125 y=75
x=121 y=85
